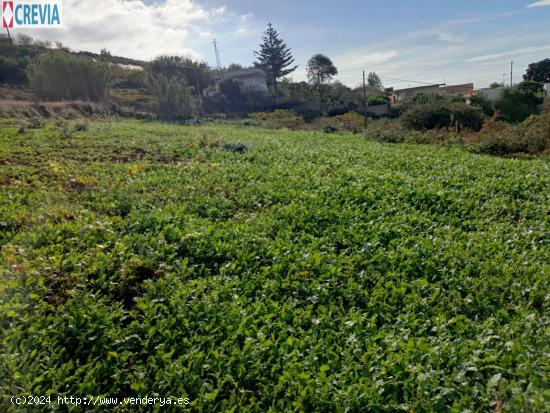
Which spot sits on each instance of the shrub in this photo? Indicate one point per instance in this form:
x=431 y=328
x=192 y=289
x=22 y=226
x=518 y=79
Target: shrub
x=280 y=118
x=82 y=127
x=385 y=130
x=173 y=97
x=58 y=75
x=232 y=97
x=500 y=138
x=443 y=114
x=485 y=104
x=236 y=147
x=377 y=100
x=422 y=98
x=12 y=70
x=519 y=102
x=348 y=122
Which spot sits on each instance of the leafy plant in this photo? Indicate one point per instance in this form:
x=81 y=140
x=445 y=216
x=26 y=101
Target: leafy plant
x=519 y=102
x=443 y=114
x=277 y=119
x=173 y=96
x=59 y=75
x=315 y=273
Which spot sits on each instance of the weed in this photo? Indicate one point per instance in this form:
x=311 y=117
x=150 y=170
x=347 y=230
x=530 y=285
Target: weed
x=325 y=273
x=237 y=147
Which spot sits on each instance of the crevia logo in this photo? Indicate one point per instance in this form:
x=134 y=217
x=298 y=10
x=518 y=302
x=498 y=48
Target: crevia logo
x=32 y=14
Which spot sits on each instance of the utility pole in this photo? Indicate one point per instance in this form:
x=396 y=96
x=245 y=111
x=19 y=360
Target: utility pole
x=511 y=73
x=365 y=99
x=197 y=86
x=9 y=37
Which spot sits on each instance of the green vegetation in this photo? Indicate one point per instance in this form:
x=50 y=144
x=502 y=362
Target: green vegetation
x=320 y=70
x=262 y=270
x=274 y=57
x=193 y=73
x=538 y=71
x=517 y=103
x=173 y=97
x=443 y=114
x=59 y=75
x=277 y=119
x=500 y=138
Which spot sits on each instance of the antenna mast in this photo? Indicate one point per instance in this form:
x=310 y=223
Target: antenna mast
x=217 y=52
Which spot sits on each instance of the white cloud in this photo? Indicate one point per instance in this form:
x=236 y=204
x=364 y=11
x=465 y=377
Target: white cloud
x=132 y=28
x=362 y=58
x=509 y=53
x=541 y=3
x=450 y=52
x=448 y=37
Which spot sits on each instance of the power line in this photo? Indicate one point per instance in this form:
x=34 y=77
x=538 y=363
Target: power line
x=410 y=81
x=388 y=78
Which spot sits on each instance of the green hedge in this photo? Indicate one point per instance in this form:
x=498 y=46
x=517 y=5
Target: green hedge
x=443 y=114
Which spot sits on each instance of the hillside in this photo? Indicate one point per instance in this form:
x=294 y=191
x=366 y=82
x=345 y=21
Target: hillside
x=255 y=269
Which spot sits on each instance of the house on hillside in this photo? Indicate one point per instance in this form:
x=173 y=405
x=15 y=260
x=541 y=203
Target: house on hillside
x=251 y=80
x=465 y=91
x=547 y=89
x=406 y=95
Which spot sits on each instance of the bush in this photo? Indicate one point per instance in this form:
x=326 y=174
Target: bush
x=232 y=98
x=485 y=104
x=58 y=75
x=377 y=100
x=519 y=102
x=385 y=130
x=500 y=138
x=422 y=98
x=82 y=127
x=348 y=122
x=280 y=118
x=12 y=70
x=173 y=97
x=237 y=147
x=443 y=114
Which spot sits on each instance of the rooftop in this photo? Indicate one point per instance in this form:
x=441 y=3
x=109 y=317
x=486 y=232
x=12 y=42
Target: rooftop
x=244 y=73
x=420 y=87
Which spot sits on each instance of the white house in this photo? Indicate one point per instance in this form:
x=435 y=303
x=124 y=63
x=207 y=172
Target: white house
x=251 y=80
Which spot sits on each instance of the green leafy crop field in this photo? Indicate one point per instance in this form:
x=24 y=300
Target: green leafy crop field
x=258 y=270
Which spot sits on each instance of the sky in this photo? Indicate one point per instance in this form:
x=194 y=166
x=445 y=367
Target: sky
x=405 y=42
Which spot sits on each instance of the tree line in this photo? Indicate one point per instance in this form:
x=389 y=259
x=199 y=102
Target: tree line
x=183 y=88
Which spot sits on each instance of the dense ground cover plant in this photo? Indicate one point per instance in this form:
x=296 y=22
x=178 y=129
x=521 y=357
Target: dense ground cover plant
x=311 y=272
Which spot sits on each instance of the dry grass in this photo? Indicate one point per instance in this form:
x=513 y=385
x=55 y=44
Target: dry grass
x=67 y=110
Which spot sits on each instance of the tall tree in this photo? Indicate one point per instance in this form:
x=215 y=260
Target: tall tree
x=374 y=80
x=320 y=69
x=538 y=72
x=274 y=57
